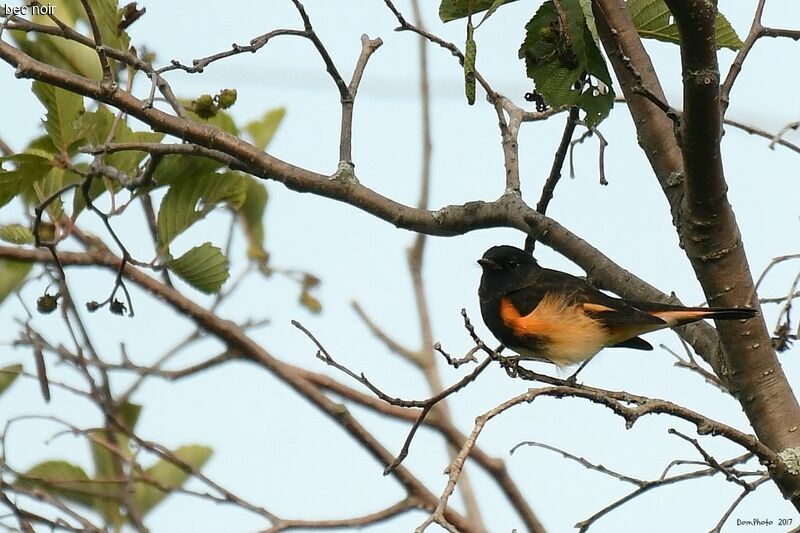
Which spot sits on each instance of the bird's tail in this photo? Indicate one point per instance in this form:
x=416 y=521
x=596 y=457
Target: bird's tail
x=676 y=315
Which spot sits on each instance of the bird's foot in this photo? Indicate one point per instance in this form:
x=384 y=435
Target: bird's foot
x=510 y=365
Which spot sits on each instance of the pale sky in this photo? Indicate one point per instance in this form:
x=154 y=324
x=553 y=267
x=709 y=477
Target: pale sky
x=271 y=446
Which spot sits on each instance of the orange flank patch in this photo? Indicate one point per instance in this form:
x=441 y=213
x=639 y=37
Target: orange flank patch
x=569 y=335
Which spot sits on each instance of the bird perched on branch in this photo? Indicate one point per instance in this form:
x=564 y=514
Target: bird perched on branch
x=553 y=316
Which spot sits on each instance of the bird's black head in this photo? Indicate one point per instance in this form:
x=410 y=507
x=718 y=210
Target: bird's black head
x=506 y=268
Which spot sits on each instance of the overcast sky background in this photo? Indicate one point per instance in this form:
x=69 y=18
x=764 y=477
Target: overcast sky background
x=272 y=447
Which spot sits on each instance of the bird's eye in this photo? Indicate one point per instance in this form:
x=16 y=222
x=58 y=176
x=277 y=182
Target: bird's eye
x=513 y=264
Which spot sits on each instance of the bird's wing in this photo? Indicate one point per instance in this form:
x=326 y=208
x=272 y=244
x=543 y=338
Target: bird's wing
x=612 y=313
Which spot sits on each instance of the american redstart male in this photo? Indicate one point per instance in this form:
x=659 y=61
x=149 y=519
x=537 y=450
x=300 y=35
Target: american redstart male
x=552 y=316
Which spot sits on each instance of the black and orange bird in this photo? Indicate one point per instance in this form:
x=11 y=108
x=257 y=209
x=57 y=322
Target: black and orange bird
x=553 y=316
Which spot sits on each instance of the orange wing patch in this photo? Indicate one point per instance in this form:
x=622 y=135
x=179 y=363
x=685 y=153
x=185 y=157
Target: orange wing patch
x=597 y=308
x=568 y=334
x=620 y=333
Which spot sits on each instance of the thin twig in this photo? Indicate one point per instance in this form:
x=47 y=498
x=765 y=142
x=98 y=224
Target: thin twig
x=580 y=460
x=555 y=171
x=108 y=75
x=368 y=47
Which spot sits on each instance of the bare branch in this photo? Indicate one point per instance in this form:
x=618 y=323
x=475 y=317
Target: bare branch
x=558 y=163
x=368 y=47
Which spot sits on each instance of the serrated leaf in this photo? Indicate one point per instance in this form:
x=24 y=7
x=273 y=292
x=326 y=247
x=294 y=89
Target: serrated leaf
x=177 y=168
x=43 y=146
x=55 y=180
x=12 y=275
x=29 y=168
x=457 y=9
x=169 y=476
x=652 y=19
x=7 y=376
x=251 y=214
x=203 y=267
x=565 y=63
x=188 y=201
x=16 y=234
x=63 y=480
x=63 y=111
x=262 y=130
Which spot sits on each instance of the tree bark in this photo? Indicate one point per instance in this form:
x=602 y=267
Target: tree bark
x=697 y=193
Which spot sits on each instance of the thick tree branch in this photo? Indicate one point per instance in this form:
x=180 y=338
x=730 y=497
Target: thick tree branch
x=703 y=217
x=715 y=249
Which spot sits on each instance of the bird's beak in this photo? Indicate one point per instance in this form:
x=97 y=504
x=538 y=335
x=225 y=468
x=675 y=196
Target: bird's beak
x=488 y=264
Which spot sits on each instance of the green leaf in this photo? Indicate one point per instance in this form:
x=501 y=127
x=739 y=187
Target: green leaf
x=43 y=146
x=70 y=55
x=105 y=461
x=60 y=53
x=108 y=18
x=457 y=9
x=469 y=65
x=63 y=480
x=29 y=168
x=188 y=201
x=307 y=299
x=7 y=376
x=101 y=443
x=588 y=14
x=63 y=110
x=177 y=168
x=262 y=130
x=16 y=234
x=203 y=267
x=98 y=125
x=169 y=476
x=251 y=214
x=311 y=303
x=69 y=11
x=96 y=189
x=128 y=160
x=104 y=441
x=55 y=180
x=12 y=275
x=129 y=414
x=653 y=21
x=565 y=63
x=494 y=7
